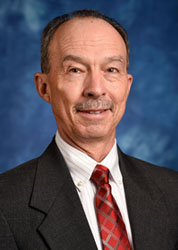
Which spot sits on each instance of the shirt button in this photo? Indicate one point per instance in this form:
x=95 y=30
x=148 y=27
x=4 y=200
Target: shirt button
x=80 y=183
x=120 y=182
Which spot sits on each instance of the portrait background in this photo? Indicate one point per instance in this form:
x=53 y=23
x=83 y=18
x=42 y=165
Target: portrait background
x=149 y=127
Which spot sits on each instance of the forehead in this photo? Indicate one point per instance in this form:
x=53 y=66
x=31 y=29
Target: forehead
x=87 y=34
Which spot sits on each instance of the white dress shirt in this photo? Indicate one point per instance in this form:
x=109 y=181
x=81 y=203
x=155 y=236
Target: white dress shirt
x=81 y=167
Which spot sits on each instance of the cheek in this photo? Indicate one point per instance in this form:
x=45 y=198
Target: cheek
x=120 y=98
x=64 y=97
x=121 y=93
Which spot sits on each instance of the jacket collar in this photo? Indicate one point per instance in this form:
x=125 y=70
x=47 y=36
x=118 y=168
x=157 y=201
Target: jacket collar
x=65 y=225
x=145 y=203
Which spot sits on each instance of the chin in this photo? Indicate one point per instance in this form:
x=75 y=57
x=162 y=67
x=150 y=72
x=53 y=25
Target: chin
x=95 y=135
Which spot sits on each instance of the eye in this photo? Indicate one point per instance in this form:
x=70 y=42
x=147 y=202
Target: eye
x=112 y=70
x=74 y=70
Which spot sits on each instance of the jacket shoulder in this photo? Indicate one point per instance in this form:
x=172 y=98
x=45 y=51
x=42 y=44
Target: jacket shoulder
x=17 y=183
x=151 y=175
x=158 y=172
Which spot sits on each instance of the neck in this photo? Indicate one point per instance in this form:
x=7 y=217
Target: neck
x=95 y=148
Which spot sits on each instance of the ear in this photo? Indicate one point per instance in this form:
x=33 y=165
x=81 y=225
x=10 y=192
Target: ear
x=129 y=80
x=42 y=86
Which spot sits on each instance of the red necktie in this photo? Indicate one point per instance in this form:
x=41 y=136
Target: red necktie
x=112 y=228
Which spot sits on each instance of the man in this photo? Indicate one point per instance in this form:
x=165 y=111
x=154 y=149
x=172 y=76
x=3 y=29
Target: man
x=52 y=202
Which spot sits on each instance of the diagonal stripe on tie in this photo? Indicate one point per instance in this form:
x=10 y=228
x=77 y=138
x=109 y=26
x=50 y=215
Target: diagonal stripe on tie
x=112 y=228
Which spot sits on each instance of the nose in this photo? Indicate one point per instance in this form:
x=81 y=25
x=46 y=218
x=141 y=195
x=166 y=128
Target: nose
x=94 y=85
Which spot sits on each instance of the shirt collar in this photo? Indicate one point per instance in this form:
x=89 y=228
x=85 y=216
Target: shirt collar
x=81 y=165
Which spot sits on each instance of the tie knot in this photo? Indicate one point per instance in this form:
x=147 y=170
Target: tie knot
x=100 y=175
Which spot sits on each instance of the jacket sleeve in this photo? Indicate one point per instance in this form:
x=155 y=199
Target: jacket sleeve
x=7 y=241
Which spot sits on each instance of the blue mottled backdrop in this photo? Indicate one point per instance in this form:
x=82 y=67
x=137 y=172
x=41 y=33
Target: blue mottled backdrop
x=149 y=127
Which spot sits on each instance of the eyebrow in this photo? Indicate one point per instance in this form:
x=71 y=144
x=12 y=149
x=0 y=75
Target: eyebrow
x=84 y=61
x=74 y=58
x=115 y=59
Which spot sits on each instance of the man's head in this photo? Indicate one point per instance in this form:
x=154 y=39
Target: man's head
x=84 y=77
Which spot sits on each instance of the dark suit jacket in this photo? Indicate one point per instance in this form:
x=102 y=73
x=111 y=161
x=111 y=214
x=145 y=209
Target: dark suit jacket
x=40 y=208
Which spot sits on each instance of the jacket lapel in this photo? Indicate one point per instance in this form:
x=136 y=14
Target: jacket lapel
x=65 y=226
x=146 y=206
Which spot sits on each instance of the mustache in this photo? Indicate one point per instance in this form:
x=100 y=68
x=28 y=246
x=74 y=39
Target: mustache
x=94 y=104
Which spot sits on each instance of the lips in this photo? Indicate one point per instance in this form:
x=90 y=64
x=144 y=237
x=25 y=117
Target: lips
x=92 y=111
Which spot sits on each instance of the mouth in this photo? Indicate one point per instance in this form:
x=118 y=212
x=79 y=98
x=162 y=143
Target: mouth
x=93 y=111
